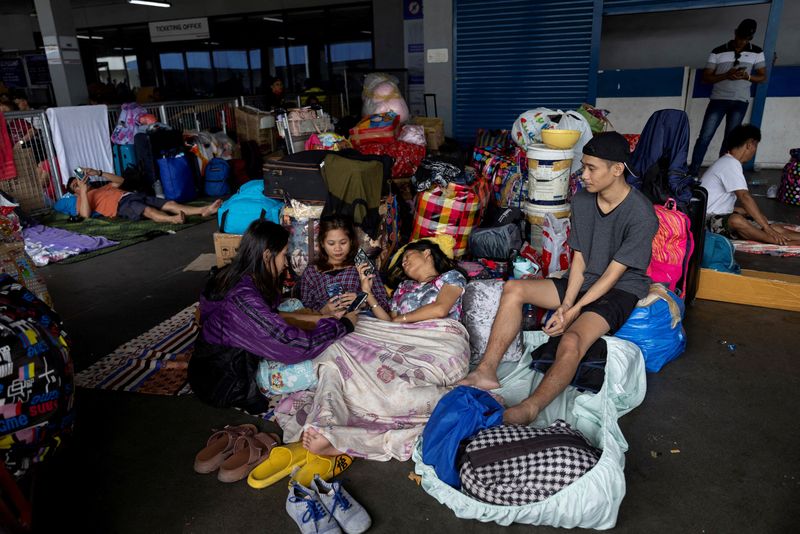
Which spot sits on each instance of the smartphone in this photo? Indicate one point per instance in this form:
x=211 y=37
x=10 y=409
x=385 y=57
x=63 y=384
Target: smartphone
x=80 y=174
x=361 y=297
x=334 y=288
x=361 y=257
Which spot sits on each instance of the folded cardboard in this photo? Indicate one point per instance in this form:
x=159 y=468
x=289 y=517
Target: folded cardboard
x=753 y=288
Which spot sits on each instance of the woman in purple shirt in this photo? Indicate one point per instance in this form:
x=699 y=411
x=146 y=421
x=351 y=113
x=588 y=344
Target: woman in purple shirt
x=240 y=323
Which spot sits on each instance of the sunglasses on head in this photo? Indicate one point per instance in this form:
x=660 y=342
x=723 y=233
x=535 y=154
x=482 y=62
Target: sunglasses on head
x=736 y=56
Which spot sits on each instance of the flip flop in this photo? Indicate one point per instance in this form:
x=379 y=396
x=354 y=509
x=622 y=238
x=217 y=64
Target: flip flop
x=247 y=453
x=219 y=446
x=326 y=467
x=282 y=460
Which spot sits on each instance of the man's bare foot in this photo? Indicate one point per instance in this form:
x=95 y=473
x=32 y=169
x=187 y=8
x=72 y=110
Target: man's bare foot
x=521 y=414
x=212 y=208
x=180 y=218
x=481 y=379
x=316 y=443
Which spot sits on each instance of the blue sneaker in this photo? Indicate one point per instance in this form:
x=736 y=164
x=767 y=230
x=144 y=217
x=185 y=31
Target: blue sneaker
x=305 y=508
x=351 y=516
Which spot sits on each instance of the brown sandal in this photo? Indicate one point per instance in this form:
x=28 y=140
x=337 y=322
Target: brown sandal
x=248 y=452
x=220 y=446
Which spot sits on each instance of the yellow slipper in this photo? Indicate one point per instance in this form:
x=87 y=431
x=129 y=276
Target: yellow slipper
x=326 y=467
x=280 y=463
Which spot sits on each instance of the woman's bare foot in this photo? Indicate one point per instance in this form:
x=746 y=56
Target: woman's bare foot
x=521 y=414
x=316 y=443
x=481 y=379
x=212 y=208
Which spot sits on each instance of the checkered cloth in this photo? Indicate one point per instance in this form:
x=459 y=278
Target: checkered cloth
x=524 y=465
x=455 y=210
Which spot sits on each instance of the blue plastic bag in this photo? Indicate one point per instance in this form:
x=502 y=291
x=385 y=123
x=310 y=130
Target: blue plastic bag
x=247 y=205
x=458 y=415
x=718 y=254
x=176 y=178
x=653 y=329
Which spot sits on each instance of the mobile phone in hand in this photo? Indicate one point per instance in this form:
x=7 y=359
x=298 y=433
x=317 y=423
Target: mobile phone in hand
x=361 y=297
x=361 y=258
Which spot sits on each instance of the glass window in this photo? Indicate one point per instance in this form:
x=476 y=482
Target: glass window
x=173 y=74
x=255 y=69
x=132 y=66
x=201 y=79
x=232 y=73
x=111 y=69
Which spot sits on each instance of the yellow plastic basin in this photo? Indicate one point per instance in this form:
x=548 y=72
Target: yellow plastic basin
x=560 y=139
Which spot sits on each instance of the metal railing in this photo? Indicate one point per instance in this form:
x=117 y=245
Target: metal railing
x=38 y=182
x=212 y=114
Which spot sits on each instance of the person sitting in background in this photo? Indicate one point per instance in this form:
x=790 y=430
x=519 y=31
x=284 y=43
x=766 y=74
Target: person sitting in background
x=21 y=130
x=725 y=183
x=330 y=285
x=110 y=200
x=240 y=324
x=275 y=94
x=432 y=289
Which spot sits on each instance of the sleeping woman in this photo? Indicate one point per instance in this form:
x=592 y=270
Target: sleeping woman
x=378 y=386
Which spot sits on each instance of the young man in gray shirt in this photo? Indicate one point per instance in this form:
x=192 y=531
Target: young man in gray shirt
x=611 y=234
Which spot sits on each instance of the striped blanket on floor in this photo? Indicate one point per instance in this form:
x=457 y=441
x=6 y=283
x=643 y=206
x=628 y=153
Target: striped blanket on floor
x=754 y=247
x=156 y=362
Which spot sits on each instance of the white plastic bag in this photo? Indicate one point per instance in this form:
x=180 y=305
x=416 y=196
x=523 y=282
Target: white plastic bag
x=555 y=251
x=572 y=120
x=527 y=129
x=592 y=501
x=381 y=94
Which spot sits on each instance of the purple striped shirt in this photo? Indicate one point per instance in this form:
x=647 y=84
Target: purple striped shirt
x=314 y=286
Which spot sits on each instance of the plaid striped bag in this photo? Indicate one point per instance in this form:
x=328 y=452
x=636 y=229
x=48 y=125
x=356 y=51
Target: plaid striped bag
x=455 y=211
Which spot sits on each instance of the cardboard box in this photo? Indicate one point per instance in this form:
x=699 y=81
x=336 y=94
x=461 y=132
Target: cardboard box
x=225 y=247
x=434 y=130
x=256 y=125
x=753 y=288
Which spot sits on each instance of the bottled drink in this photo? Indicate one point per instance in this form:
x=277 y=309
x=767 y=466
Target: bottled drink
x=158 y=189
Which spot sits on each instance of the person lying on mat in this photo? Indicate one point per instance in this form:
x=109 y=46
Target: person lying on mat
x=400 y=393
x=111 y=201
x=330 y=284
x=726 y=184
x=240 y=324
x=611 y=234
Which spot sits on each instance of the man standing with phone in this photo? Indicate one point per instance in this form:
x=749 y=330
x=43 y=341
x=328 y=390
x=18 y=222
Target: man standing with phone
x=731 y=67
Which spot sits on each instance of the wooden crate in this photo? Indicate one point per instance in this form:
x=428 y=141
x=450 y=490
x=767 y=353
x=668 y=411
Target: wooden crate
x=258 y=126
x=753 y=288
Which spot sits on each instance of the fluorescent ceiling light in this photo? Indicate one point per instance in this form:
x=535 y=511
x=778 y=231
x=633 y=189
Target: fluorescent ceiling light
x=82 y=36
x=367 y=32
x=287 y=38
x=152 y=3
x=273 y=19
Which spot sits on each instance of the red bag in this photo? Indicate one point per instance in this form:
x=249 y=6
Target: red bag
x=673 y=245
x=407 y=156
x=378 y=128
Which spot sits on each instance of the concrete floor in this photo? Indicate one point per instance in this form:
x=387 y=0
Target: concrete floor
x=732 y=415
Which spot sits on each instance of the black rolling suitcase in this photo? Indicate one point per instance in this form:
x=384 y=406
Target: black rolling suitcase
x=152 y=146
x=696 y=210
x=298 y=175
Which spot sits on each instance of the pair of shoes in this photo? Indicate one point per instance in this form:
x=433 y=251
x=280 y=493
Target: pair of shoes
x=292 y=459
x=234 y=450
x=219 y=446
x=326 y=508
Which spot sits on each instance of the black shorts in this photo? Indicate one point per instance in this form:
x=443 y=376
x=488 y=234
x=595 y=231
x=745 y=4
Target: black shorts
x=615 y=306
x=132 y=205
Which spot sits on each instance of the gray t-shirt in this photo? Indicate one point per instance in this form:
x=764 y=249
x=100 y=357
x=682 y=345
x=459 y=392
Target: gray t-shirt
x=625 y=235
x=724 y=58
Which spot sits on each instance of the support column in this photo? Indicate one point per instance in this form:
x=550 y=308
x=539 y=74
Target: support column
x=63 y=55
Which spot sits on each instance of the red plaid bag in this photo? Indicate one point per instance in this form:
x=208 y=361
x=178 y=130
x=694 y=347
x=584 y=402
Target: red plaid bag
x=407 y=156
x=454 y=211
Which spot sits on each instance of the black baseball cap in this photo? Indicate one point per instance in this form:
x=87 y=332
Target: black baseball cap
x=609 y=146
x=746 y=29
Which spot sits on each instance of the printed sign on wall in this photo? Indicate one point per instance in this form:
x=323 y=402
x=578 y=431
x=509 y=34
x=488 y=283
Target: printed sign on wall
x=179 y=30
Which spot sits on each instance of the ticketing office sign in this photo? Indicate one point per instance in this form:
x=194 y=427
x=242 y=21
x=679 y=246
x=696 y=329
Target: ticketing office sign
x=179 y=30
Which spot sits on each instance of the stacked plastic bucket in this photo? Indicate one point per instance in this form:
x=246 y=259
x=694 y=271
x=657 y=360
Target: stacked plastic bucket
x=548 y=179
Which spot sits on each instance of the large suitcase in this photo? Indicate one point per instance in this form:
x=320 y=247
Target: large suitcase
x=152 y=146
x=697 y=217
x=298 y=175
x=124 y=157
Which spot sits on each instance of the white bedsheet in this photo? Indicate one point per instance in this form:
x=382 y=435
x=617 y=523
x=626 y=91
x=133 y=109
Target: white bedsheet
x=81 y=137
